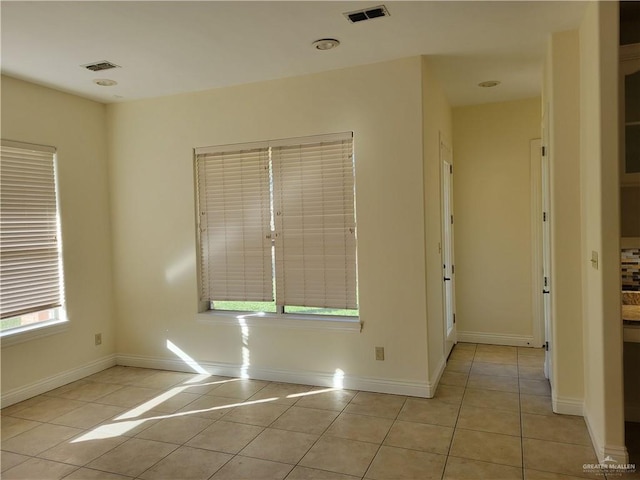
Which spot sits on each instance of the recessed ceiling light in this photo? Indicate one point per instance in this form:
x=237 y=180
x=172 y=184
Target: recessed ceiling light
x=105 y=82
x=489 y=84
x=326 y=43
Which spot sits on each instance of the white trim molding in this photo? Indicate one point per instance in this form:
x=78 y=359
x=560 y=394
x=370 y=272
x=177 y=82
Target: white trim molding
x=618 y=452
x=41 y=386
x=497 y=339
x=320 y=379
x=239 y=319
x=432 y=386
x=567 y=405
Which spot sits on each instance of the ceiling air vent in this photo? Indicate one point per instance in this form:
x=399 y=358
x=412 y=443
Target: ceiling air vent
x=367 y=14
x=98 y=66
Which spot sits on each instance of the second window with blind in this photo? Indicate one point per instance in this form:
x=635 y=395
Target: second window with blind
x=277 y=226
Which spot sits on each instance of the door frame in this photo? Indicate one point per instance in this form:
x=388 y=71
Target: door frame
x=446 y=176
x=537 y=220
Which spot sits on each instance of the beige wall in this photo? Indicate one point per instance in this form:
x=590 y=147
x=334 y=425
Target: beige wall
x=152 y=202
x=601 y=227
x=561 y=98
x=77 y=128
x=436 y=118
x=492 y=210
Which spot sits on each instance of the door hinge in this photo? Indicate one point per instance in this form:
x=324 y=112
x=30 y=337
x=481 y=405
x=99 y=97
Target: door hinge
x=544 y=216
x=451 y=219
x=450 y=168
x=546 y=346
x=546 y=282
x=544 y=151
x=454 y=318
x=453 y=269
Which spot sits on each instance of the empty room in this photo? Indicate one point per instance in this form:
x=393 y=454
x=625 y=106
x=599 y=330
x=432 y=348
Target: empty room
x=319 y=240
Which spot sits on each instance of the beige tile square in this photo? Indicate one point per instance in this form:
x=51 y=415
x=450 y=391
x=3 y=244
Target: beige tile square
x=208 y=406
x=494 y=369
x=326 y=399
x=430 y=411
x=533 y=373
x=225 y=437
x=49 y=409
x=121 y=375
x=487 y=447
x=533 y=361
x=11 y=410
x=90 y=474
x=530 y=352
x=38 y=439
x=502 y=349
x=129 y=397
x=85 y=391
x=173 y=401
x=557 y=457
x=306 y=420
x=457 y=379
x=239 y=389
x=489 y=420
x=449 y=394
x=465 y=346
x=9 y=460
x=175 y=429
x=187 y=463
x=530 y=474
x=420 y=436
x=81 y=452
x=556 y=428
x=535 y=387
x=279 y=446
x=165 y=380
x=507 y=357
x=304 y=473
x=491 y=399
x=88 y=415
x=37 y=468
x=460 y=366
x=537 y=404
x=340 y=455
x=282 y=393
x=462 y=355
x=128 y=424
x=12 y=426
x=263 y=414
x=491 y=382
x=376 y=404
x=252 y=468
x=400 y=463
x=205 y=385
x=364 y=428
x=466 y=469
x=132 y=457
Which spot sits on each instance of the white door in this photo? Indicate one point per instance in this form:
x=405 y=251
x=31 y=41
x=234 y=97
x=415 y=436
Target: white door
x=546 y=245
x=448 y=269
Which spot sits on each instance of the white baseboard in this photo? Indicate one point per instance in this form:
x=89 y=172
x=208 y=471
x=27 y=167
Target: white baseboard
x=567 y=405
x=432 y=385
x=497 y=339
x=618 y=452
x=320 y=379
x=41 y=386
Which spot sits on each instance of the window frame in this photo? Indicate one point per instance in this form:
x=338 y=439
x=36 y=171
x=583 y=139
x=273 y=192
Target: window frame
x=57 y=321
x=207 y=313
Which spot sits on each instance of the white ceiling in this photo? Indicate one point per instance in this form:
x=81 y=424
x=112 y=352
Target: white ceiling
x=170 y=47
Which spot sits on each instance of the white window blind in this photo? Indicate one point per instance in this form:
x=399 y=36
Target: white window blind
x=315 y=247
x=30 y=266
x=235 y=229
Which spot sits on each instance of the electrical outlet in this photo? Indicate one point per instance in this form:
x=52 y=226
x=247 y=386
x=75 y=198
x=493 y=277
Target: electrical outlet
x=98 y=339
x=379 y=353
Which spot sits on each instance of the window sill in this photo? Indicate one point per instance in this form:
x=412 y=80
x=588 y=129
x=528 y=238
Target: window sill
x=248 y=319
x=31 y=332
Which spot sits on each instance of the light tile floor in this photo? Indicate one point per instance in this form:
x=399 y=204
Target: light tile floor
x=491 y=418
